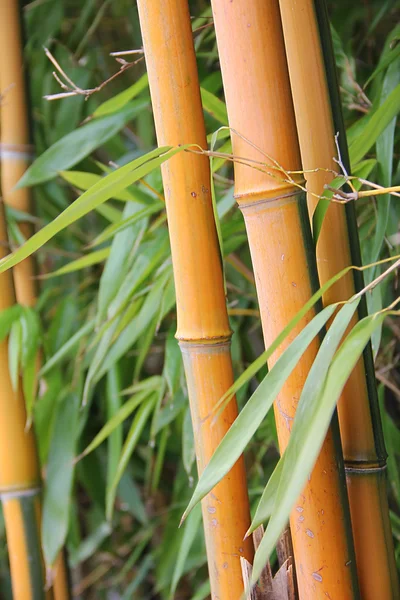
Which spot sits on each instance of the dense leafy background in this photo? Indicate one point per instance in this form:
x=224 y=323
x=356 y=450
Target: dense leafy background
x=107 y=302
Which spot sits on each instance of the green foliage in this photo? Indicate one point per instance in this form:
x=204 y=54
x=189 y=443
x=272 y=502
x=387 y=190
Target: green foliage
x=111 y=390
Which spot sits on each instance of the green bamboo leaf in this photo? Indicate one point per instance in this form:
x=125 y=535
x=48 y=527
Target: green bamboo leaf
x=305 y=409
x=67 y=347
x=307 y=438
x=392 y=442
x=118 y=263
x=83 y=181
x=259 y=363
x=173 y=364
x=99 y=193
x=90 y=544
x=14 y=352
x=322 y=207
x=362 y=170
x=120 y=100
x=246 y=424
x=131 y=441
x=390 y=54
x=123 y=224
x=191 y=530
x=203 y=592
x=93 y=258
x=378 y=122
x=267 y=501
x=151 y=383
x=188 y=450
x=384 y=154
x=113 y=405
x=60 y=473
x=119 y=417
x=214 y=106
x=75 y=146
x=7 y=317
x=150 y=310
x=29 y=385
x=30 y=329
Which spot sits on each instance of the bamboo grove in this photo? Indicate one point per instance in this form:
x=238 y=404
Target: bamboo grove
x=254 y=223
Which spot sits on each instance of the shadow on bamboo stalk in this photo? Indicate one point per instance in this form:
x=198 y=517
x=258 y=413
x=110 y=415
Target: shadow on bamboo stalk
x=203 y=328
x=15 y=158
x=259 y=104
x=311 y=60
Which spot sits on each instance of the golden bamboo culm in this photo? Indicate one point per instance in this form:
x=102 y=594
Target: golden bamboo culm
x=20 y=477
x=257 y=91
x=358 y=410
x=203 y=328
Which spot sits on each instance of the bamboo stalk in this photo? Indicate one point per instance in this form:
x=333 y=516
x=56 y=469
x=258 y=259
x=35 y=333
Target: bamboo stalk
x=257 y=92
x=203 y=327
x=360 y=425
x=16 y=153
x=19 y=472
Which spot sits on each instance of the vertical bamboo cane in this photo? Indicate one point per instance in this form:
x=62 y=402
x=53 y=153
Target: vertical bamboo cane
x=19 y=472
x=203 y=328
x=360 y=426
x=257 y=91
x=15 y=158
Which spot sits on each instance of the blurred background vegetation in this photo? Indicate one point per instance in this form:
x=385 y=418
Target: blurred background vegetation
x=107 y=302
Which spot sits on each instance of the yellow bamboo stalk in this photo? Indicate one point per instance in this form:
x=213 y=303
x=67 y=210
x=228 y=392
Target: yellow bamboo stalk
x=19 y=472
x=358 y=410
x=15 y=153
x=257 y=92
x=203 y=328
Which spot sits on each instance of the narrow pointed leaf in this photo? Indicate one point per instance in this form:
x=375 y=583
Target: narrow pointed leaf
x=75 y=146
x=246 y=424
x=305 y=442
x=99 y=193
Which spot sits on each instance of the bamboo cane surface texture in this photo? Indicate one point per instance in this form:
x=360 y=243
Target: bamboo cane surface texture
x=257 y=91
x=203 y=327
x=14 y=128
x=367 y=488
x=16 y=154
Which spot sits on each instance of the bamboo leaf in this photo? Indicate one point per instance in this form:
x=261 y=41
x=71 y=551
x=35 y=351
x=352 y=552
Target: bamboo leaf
x=7 y=317
x=123 y=224
x=118 y=264
x=188 y=450
x=266 y=505
x=384 y=154
x=83 y=181
x=67 y=347
x=191 y=530
x=246 y=424
x=378 y=122
x=256 y=365
x=99 y=193
x=119 y=417
x=60 y=472
x=75 y=146
x=305 y=409
x=306 y=440
x=120 y=100
x=322 y=207
x=130 y=443
x=14 y=352
x=214 y=106
x=93 y=258
x=113 y=405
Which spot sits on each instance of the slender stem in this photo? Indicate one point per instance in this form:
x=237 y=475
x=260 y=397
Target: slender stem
x=258 y=97
x=203 y=327
x=310 y=56
x=15 y=155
